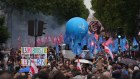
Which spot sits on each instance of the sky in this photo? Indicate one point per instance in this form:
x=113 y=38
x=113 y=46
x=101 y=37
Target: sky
x=88 y=6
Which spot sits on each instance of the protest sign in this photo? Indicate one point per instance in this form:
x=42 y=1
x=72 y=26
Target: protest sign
x=36 y=54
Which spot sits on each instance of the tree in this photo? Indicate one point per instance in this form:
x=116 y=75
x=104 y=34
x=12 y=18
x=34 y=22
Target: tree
x=4 y=34
x=62 y=9
x=118 y=13
x=69 y=8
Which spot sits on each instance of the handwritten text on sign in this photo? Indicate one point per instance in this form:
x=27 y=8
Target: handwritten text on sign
x=36 y=54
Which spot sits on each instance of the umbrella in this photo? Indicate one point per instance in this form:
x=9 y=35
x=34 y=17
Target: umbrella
x=27 y=69
x=84 y=61
x=128 y=61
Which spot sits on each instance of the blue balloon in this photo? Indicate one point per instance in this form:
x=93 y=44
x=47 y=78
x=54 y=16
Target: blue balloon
x=77 y=28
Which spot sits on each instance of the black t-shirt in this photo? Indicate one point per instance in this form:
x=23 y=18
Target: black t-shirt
x=18 y=58
x=1 y=65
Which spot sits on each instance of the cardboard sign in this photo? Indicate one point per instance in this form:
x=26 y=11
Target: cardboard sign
x=36 y=54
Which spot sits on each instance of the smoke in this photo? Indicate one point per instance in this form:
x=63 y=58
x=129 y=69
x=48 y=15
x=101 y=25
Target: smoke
x=18 y=27
x=88 y=5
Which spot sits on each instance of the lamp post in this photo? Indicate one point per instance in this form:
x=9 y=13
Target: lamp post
x=129 y=50
x=119 y=47
x=119 y=35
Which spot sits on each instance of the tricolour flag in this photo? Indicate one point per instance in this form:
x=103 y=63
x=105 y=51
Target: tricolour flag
x=79 y=66
x=108 y=51
x=33 y=68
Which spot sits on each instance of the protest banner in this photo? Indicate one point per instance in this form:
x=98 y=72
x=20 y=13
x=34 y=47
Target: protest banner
x=36 y=54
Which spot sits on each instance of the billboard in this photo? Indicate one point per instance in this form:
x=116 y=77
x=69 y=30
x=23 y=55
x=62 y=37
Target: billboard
x=36 y=54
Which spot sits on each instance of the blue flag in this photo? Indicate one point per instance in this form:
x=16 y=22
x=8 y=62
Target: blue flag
x=135 y=45
x=101 y=40
x=116 y=46
x=57 y=49
x=90 y=46
x=76 y=49
x=84 y=41
x=111 y=47
x=123 y=44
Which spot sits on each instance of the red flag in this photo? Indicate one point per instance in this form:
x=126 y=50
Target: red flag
x=33 y=68
x=96 y=36
x=79 y=66
x=109 y=41
x=108 y=51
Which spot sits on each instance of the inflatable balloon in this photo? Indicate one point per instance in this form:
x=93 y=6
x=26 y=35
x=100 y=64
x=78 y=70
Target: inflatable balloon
x=95 y=27
x=76 y=28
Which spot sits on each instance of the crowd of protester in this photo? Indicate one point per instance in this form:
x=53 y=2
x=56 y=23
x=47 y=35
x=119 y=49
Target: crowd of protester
x=61 y=68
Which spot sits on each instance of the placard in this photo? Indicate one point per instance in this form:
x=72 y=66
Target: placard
x=36 y=54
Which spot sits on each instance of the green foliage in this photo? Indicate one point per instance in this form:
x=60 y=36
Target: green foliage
x=118 y=13
x=62 y=9
x=70 y=8
x=2 y=21
x=4 y=34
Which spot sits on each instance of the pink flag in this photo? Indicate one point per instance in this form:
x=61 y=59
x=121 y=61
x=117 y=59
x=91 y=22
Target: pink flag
x=58 y=40
x=42 y=40
x=30 y=42
x=52 y=39
x=109 y=41
x=33 y=68
x=46 y=39
x=19 y=41
x=96 y=36
x=55 y=40
x=61 y=38
x=19 y=38
x=108 y=51
x=49 y=38
x=127 y=46
x=39 y=41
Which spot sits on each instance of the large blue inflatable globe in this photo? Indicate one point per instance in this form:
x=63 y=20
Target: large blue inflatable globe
x=76 y=28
